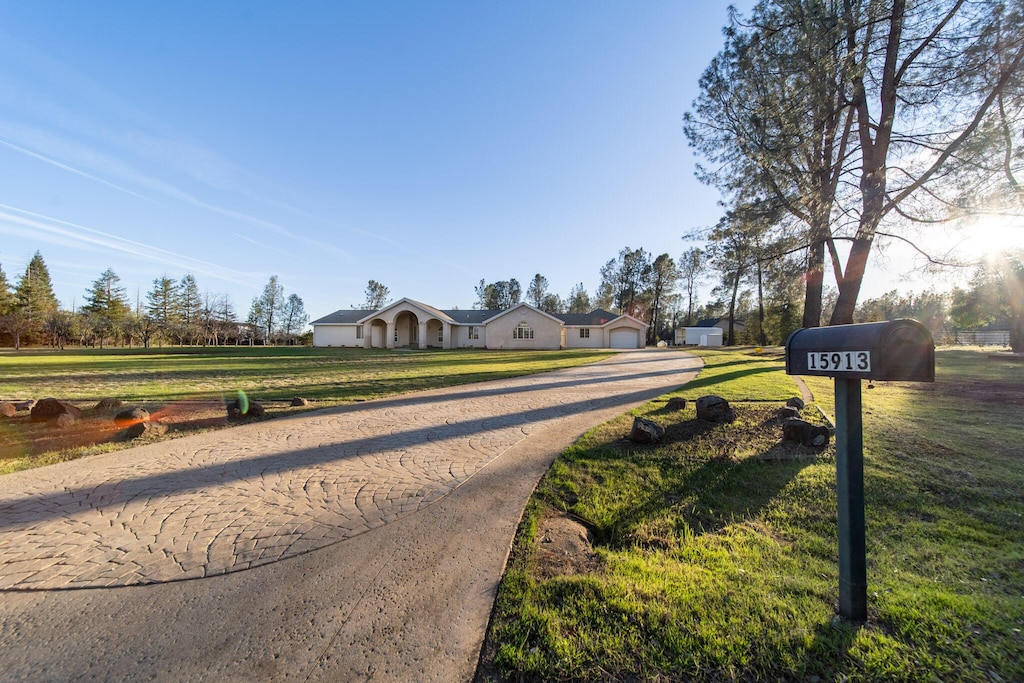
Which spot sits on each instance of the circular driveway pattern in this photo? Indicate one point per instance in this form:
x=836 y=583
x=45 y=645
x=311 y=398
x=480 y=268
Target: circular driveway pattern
x=228 y=500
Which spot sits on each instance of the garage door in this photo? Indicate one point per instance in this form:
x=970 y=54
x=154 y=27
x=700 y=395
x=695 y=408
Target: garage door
x=624 y=339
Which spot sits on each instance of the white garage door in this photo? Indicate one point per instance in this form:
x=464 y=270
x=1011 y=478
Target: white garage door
x=624 y=339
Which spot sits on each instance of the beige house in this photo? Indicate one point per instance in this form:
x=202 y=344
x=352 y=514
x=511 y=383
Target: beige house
x=411 y=324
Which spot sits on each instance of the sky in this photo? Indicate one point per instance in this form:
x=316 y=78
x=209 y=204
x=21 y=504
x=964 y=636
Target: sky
x=423 y=145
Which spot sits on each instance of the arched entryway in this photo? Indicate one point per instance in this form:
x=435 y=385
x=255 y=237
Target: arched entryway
x=407 y=330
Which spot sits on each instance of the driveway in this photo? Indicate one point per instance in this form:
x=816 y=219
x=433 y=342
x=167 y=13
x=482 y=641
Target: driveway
x=353 y=543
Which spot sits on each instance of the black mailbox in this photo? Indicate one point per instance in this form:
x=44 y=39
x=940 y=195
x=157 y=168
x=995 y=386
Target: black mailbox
x=896 y=351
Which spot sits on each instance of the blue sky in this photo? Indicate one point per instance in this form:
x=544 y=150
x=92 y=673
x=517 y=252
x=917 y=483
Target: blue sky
x=424 y=145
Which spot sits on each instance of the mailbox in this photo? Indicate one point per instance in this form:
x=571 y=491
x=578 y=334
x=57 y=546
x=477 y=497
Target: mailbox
x=896 y=351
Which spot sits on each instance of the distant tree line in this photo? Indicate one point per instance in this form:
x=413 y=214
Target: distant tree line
x=761 y=300
x=174 y=311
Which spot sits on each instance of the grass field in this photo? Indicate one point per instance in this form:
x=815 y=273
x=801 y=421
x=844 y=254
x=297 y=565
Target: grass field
x=188 y=386
x=708 y=562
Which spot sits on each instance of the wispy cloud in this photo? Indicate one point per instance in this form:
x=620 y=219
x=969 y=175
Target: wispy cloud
x=16 y=221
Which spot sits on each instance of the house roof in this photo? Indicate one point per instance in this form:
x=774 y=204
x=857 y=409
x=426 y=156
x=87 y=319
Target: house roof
x=523 y=305
x=342 y=317
x=596 y=317
x=711 y=322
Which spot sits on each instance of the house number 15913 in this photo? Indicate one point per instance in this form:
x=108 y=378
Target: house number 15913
x=839 y=361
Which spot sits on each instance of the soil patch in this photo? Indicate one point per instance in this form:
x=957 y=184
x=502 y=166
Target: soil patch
x=564 y=547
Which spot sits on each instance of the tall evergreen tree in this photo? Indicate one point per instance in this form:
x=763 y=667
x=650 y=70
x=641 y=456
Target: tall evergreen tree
x=7 y=299
x=34 y=299
x=189 y=308
x=162 y=301
x=579 y=300
x=537 y=290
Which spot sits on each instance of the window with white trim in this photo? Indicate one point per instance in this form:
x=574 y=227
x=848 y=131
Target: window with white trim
x=440 y=334
x=584 y=333
x=474 y=332
x=523 y=331
x=359 y=332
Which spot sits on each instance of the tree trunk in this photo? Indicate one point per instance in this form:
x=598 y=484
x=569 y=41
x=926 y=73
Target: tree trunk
x=814 y=281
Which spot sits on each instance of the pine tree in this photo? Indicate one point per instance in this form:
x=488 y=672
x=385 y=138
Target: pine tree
x=7 y=299
x=34 y=292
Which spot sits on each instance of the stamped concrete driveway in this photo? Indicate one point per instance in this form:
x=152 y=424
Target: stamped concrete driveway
x=394 y=518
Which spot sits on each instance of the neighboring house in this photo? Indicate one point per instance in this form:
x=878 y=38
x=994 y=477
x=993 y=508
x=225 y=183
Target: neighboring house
x=407 y=323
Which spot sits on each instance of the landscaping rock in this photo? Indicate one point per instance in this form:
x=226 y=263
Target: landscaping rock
x=131 y=416
x=7 y=410
x=646 y=431
x=24 y=405
x=298 y=401
x=787 y=412
x=676 y=403
x=805 y=433
x=253 y=409
x=64 y=421
x=796 y=402
x=50 y=409
x=714 y=409
x=144 y=429
x=108 y=403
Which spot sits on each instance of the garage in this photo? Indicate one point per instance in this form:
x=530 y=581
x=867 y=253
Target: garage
x=625 y=338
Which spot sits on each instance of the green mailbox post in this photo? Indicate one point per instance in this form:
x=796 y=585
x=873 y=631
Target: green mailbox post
x=895 y=351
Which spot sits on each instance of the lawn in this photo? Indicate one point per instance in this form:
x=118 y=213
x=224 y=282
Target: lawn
x=709 y=561
x=188 y=386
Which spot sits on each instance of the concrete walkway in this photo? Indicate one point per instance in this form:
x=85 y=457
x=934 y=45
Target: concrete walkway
x=394 y=518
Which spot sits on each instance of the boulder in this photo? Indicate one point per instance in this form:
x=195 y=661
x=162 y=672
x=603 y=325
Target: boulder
x=108 y=403
x=787 y=412
x=714 y=409
x=236 y=411
x=645 y=431
x=24 y=405
x=299 y=401
x=50 y=409
x=144 y=429
x=64 y=421
x=796 y=402
x=805 y=433
x=131 y=416
x=7 y=410
x=676 y=403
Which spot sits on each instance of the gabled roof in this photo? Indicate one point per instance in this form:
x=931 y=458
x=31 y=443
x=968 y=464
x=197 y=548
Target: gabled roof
x=522 y=305
x=411 y=302
x=471 y=316
x=342 y=317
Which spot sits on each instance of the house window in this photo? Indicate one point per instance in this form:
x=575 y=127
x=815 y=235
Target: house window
x=440 y=335
x=523 y=331
x=474 y=333
x=584 y=333
x=359 y=332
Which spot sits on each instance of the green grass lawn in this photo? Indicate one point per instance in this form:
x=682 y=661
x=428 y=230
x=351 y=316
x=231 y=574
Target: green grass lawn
x=271 y=373
x=193 y=383
x=715 y=564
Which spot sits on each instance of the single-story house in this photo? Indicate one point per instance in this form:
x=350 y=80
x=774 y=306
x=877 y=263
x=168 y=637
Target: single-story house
x=407 y=323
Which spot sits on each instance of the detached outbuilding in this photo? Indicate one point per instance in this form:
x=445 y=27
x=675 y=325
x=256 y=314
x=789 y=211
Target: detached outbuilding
x=412 y=324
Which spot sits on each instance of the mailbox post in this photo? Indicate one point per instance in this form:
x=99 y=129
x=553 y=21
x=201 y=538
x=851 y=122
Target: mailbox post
x=898 y=351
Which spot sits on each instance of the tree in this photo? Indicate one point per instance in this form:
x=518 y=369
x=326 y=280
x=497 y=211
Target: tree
x=882 y=126
x=664 y=276
x=294 y=316
x=537 y=290
x=266 y=310
x=34 y=296
x=7 y=299
x=106 y=305
x=579 y=300
x=996 y=293
x=499 y=295
x=162 y=304
x=692 y=265
x=552 y=303
x=188 y=309
x=376 y=296
x=626 y=279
